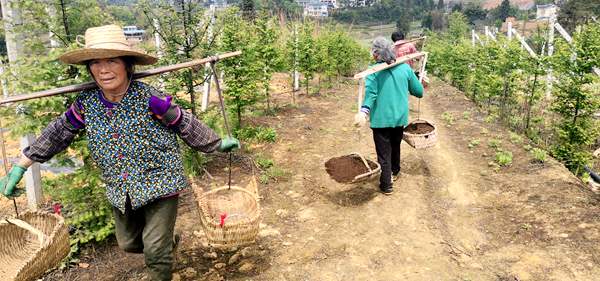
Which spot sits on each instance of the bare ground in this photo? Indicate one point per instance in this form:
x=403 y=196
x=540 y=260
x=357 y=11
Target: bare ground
x=452 y=216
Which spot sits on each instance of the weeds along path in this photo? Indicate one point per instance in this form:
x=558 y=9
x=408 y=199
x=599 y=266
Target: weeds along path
x=452 y=216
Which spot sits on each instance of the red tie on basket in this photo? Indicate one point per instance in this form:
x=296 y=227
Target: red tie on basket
x=223 y=217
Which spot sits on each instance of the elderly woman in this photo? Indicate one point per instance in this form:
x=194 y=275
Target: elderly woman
x=386 y=103
x=132 y=131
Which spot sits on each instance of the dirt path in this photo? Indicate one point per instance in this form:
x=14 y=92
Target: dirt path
x=452 y=216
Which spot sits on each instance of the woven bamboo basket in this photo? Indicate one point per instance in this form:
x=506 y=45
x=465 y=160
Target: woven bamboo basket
x=372 y=173
x=230 y=215
x=32 y=244
x=420 y=141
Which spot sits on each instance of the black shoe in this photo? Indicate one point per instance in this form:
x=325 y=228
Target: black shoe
x=176 y=241
x=387 y=191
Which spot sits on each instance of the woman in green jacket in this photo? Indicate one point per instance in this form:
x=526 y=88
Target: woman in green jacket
x=386 y=105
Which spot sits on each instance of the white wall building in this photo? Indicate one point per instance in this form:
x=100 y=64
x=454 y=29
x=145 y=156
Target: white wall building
x=546 y=11
x=316 y=9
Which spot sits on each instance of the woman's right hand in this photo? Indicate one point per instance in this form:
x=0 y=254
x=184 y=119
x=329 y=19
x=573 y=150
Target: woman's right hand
x=360 y=119
x=9 y=183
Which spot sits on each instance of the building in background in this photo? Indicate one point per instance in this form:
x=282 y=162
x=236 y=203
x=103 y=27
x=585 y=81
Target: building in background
x=133 y=33
x=546 y=11
x=316 y=9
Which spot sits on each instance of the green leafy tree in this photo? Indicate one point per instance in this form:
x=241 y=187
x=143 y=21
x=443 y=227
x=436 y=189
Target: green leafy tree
x=403 y=22
x=577 y=12
x=457 y=26
x=242 y=74
x=575 y=98
x=504 y=10
x=184 y=30
x=307 y=53
x=268 y=56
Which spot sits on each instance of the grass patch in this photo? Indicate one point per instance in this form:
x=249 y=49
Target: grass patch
x=474 y=143
x=259 y=134
x=539 y=155
x=447 y=116
x=495 y=144
x=504 y=158
x=516 y=138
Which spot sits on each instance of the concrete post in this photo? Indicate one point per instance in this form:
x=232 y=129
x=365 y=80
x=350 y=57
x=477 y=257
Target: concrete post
x=33 y=179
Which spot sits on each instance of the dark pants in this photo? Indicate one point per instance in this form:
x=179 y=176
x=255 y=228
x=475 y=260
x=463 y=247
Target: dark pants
x=387 y=145
x=149 y=230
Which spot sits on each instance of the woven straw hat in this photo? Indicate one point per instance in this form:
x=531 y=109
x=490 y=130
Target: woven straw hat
x=105 y=42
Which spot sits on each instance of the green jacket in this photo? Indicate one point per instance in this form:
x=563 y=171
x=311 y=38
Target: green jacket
x=386 y=95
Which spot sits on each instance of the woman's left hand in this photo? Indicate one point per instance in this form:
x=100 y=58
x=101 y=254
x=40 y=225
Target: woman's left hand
x=164 y=110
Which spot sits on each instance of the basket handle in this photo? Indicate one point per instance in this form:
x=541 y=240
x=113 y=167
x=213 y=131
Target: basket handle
x=43 y=238
x=364 y=161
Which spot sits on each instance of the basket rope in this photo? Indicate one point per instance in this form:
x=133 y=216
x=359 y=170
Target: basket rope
x=5 y=162
x=222 y=103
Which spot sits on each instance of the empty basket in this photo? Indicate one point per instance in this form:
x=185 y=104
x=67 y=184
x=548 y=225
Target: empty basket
x=420 y=140
x=230 y=216
x=32 y=244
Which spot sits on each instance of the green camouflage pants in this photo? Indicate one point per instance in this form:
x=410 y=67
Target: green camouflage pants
x=149 y=230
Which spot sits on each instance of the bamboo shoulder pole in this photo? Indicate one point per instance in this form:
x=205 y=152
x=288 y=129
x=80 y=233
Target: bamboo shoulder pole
x=138 y=75
x=410 y=41
x=384 y=66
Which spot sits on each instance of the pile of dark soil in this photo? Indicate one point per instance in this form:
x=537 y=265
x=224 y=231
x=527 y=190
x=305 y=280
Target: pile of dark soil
x=343 y=169
x=419 y=128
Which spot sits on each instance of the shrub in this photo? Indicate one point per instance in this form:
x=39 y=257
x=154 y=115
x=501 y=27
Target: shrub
x=474 y=143
x=495 y=144
x=447 y=116
x=260 y=134
x=539 y=155
x=516 y=138
x=504 y=158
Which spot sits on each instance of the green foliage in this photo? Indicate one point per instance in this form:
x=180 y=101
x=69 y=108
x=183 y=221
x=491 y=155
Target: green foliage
x=84 y=205
x=575 y=99
x=447 y=116
x=495 y=144
x=467 y=115
x=539 y=155
x=457 y=26
x=504 y=10
x=260 y=134
x=339 y=54
x=183 y=29
x=577 y=12
x=504 y=158
x=267 y=55
x=242 y=75
x=516 y=138
x=274 y=173
x=474 y=143
x=307 y=53
x=264 y=163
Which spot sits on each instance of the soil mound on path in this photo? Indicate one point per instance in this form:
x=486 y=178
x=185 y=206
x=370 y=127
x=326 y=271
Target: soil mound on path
x=343 y=169
x=419 y=128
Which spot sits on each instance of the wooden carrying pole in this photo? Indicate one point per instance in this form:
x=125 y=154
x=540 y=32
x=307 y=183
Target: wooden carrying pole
x=410 y=40
x=138 y=75
x=384 y=66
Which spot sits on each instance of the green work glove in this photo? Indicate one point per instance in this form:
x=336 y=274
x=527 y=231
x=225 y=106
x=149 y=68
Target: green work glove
x=228 y=144
x=9 y=183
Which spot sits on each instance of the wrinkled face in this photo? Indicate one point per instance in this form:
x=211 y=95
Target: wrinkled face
x=110 y=74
